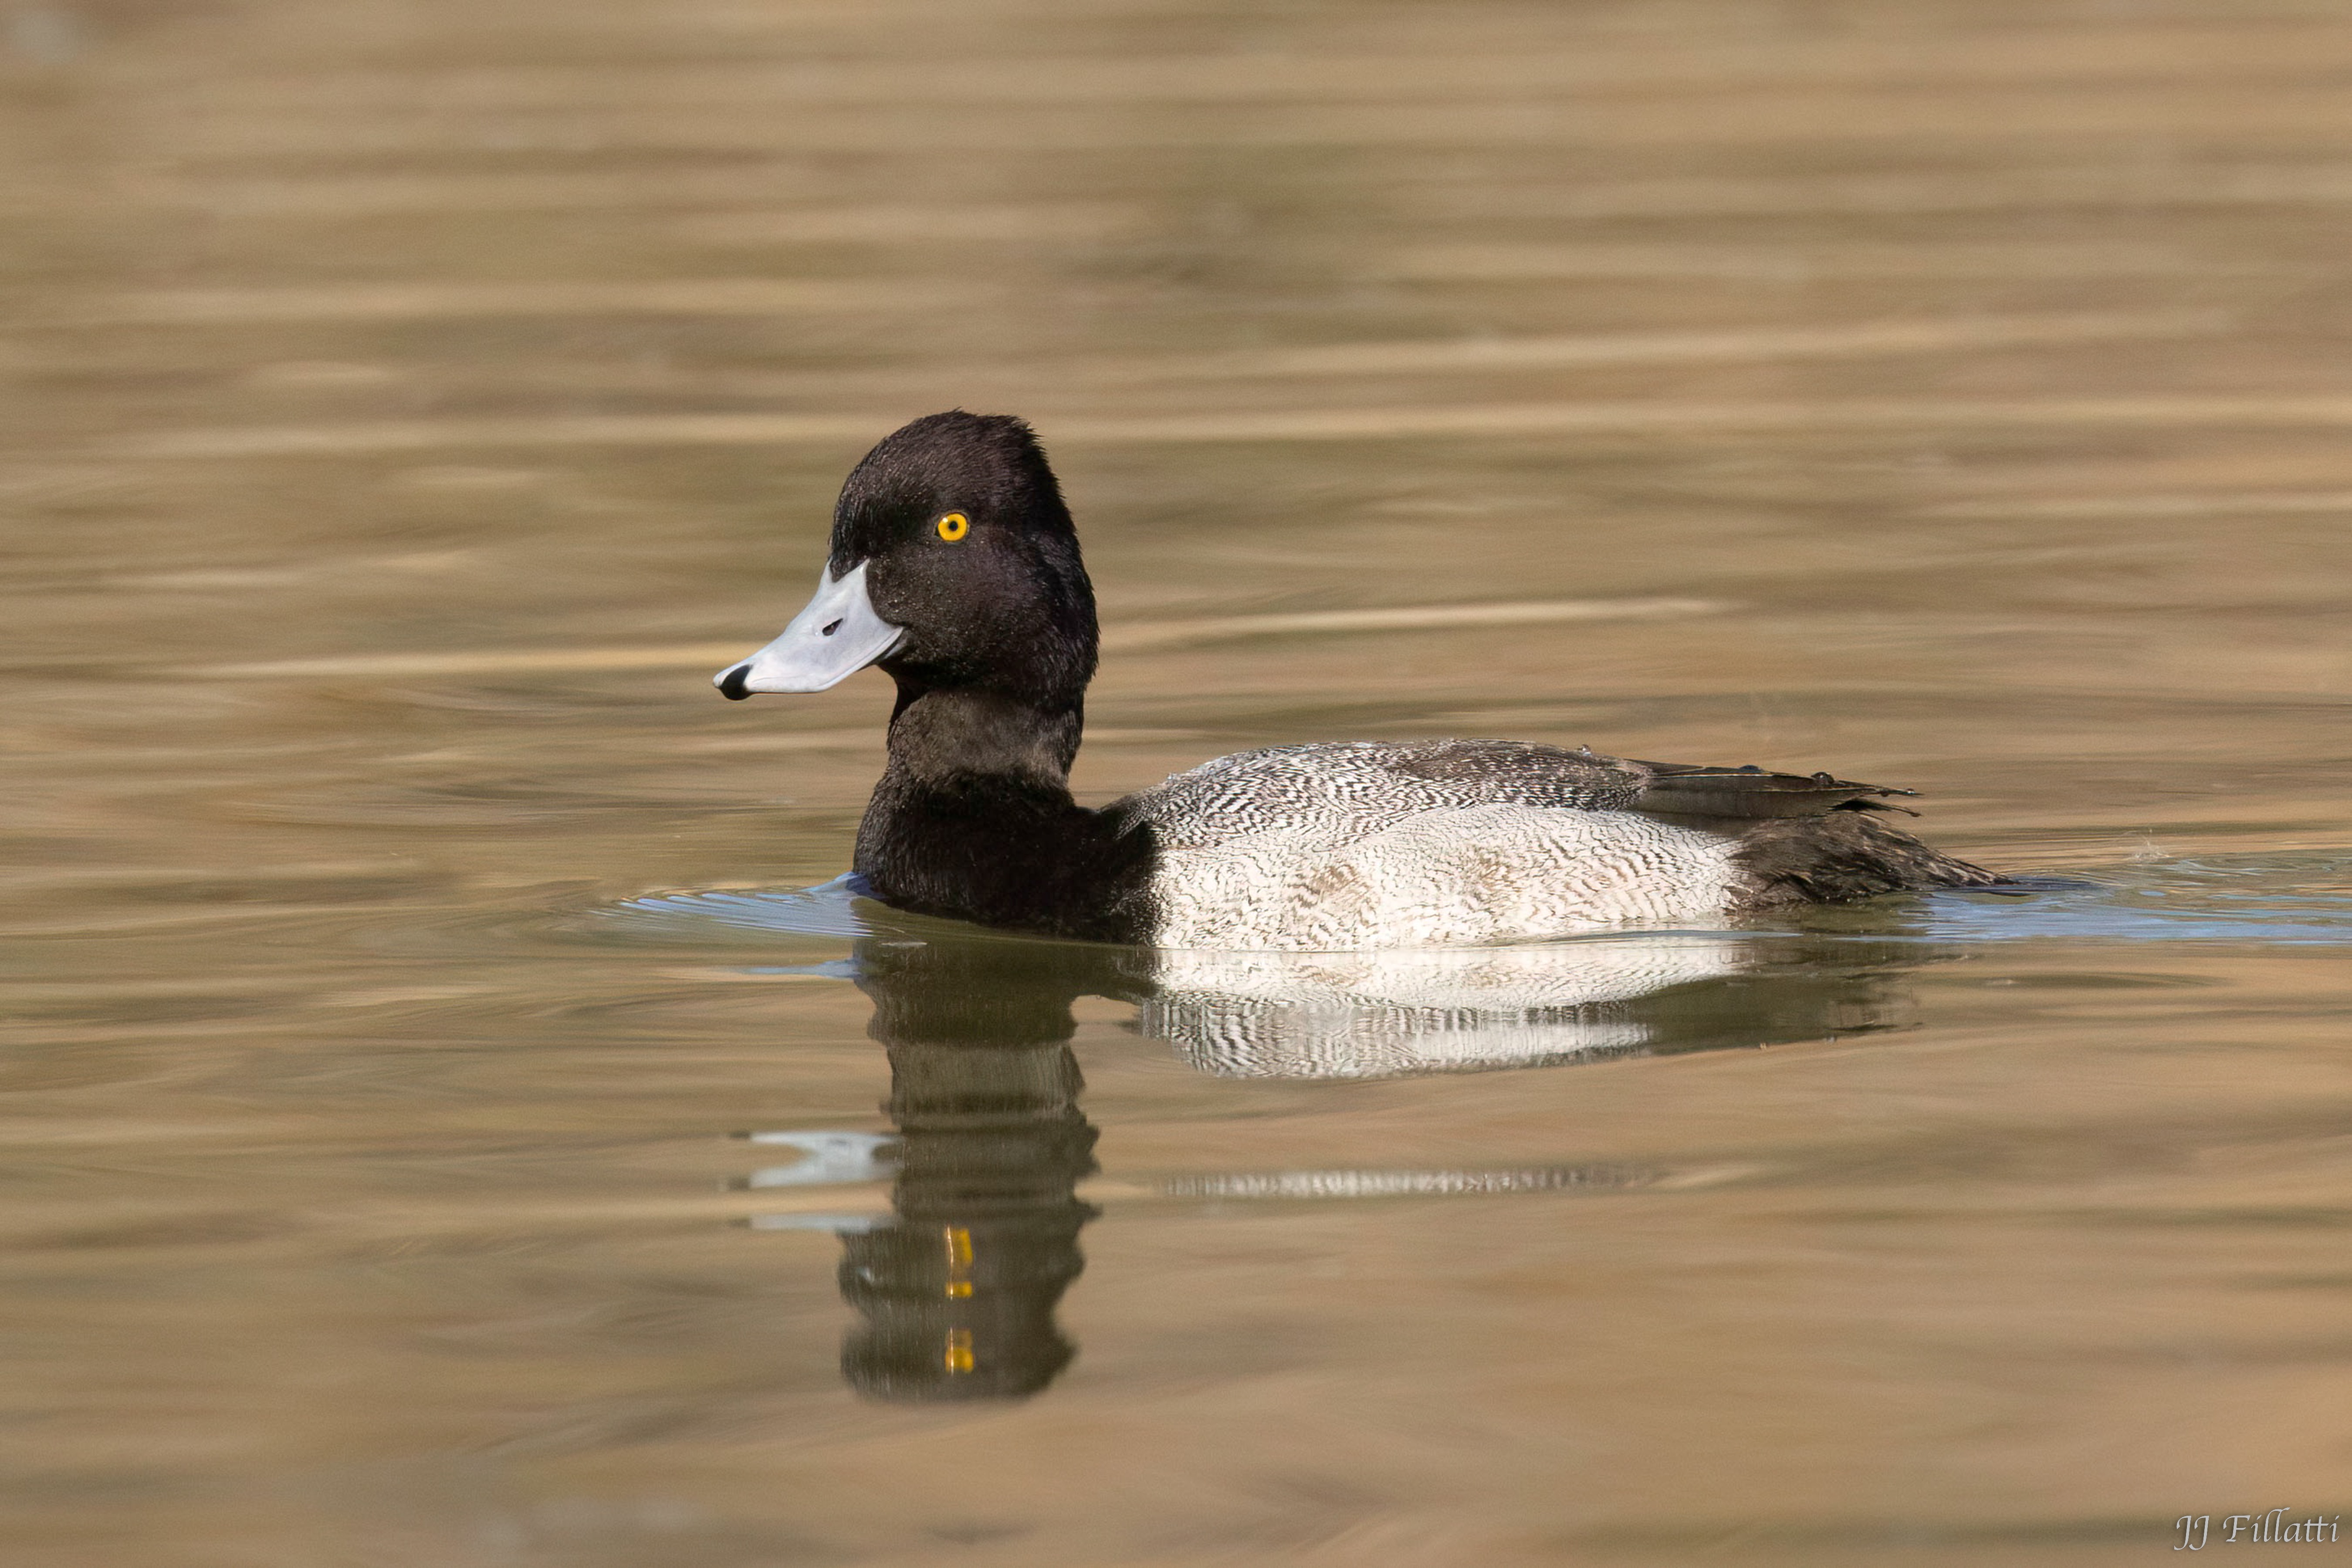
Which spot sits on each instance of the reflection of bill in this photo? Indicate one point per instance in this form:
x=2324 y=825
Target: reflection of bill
x=956 y=1287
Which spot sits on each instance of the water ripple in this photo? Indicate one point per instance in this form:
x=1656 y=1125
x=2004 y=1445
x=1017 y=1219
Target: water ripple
x=2296 y=899
x=2287 y=899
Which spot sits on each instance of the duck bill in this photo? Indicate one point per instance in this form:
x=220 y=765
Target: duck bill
x=837 y=635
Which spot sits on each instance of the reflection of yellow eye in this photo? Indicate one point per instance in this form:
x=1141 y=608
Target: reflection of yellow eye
x=954 y=526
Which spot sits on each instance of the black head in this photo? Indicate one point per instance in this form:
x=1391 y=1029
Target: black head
x=969 y=548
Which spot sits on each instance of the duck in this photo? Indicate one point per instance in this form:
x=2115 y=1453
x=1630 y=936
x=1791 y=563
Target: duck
x=954 y=567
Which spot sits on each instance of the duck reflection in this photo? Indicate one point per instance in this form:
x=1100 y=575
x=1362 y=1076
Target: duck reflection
x=956 y=1288
x=1383 y=1014
x=957 y=1292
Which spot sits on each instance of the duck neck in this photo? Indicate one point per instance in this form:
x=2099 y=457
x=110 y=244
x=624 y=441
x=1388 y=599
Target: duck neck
x=974 y=819
x=952 y=740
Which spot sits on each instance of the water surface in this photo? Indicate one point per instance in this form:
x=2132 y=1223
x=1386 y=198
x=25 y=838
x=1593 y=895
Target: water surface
x=441 y=1129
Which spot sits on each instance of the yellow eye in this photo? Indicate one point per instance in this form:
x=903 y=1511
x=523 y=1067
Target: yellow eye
x=954 y=526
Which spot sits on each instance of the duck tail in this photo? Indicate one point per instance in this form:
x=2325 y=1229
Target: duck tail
x=1845 y=854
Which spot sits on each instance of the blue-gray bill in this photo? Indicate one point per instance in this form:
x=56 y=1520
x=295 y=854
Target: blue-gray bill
x=837 y=635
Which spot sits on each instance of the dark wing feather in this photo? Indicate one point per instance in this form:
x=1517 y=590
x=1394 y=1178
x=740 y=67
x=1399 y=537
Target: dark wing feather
x=1683 y=789
x=1523 y=773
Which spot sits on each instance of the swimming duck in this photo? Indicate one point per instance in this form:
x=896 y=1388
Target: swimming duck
x=955 y=567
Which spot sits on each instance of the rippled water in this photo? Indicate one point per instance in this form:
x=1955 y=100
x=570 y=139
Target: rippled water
x=457 y=1115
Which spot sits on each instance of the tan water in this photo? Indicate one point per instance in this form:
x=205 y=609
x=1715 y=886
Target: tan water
x=410 y=405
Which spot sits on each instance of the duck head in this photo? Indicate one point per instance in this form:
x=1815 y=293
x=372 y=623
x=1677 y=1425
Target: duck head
x=954 y=566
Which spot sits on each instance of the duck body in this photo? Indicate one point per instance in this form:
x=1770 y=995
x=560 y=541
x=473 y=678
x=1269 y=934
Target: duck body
x=955 y=567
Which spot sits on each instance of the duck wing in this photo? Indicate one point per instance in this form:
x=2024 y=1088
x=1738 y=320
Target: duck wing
x=1362 y=786
x=1339 y=792
x=1687 y=790
x=1516 y=772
